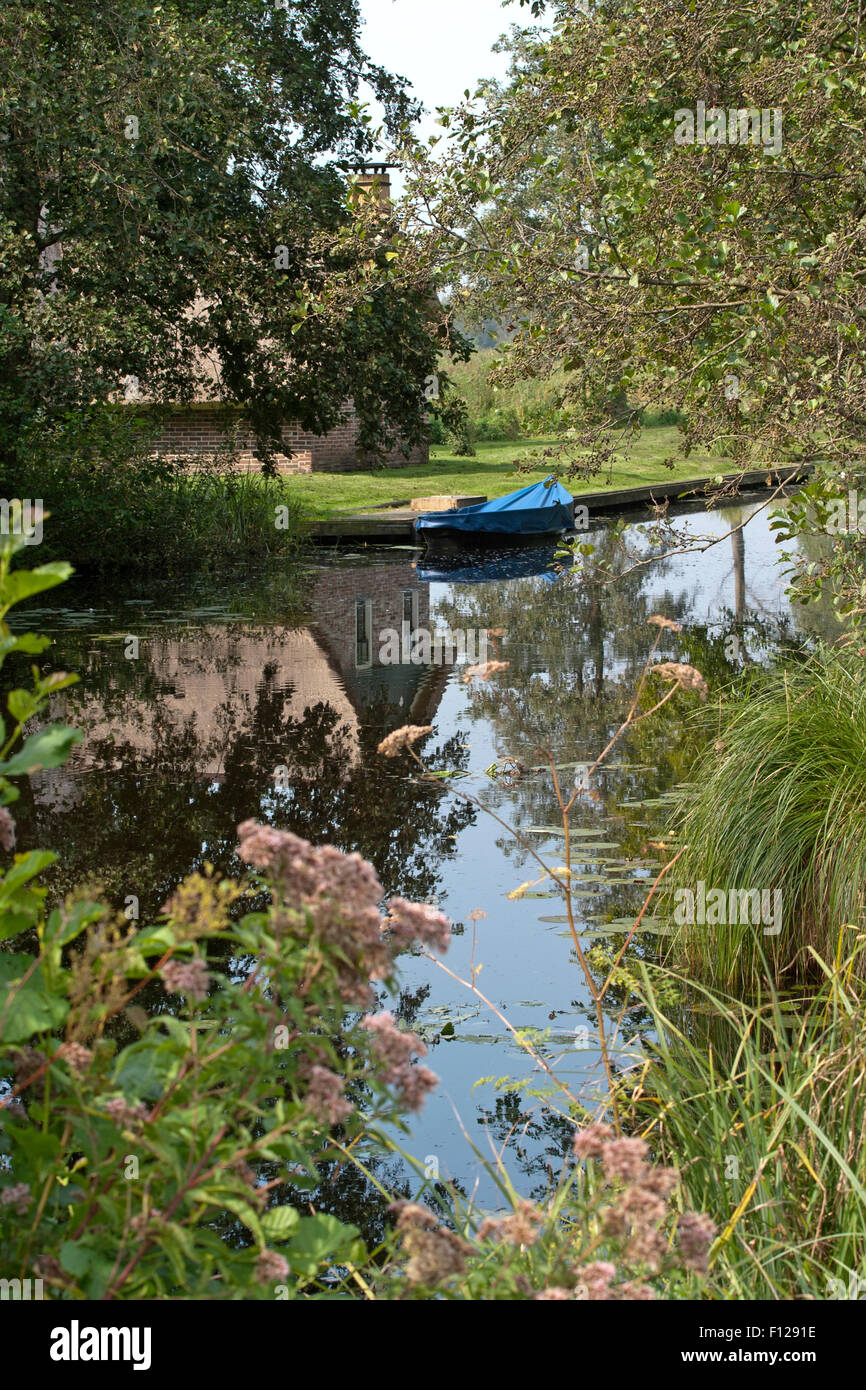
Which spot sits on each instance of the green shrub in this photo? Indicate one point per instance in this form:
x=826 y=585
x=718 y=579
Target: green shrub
x=142 y=513
x=659 y=419
x=776 y=806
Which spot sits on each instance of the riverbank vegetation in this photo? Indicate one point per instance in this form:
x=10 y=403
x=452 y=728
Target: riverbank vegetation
x=162 y=1151
x=777 y=801
x=151 y=516
x=527 y=407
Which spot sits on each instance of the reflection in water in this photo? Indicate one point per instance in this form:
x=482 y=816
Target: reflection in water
x=269 y=702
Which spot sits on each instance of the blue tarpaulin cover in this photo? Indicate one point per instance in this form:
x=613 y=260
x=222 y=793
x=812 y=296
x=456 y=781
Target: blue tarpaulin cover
x=535 y=510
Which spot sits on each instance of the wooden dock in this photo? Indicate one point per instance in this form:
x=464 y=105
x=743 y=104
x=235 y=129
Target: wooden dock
x=395 y=525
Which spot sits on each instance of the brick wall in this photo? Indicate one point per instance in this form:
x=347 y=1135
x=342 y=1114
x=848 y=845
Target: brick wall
x=202 y=430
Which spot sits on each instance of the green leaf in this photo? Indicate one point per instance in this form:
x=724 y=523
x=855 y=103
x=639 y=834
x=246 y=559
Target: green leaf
x=24 y=868
x=34 y=1142
x=231 y=1201
x=320 y=1240
x=28 y=642
x=29 y=1008
x=49 y=748
x=22 y=584
x=75 y=1258
x=279 y=1222
x=63 y=927
x=145 y=1068
x=22 y=705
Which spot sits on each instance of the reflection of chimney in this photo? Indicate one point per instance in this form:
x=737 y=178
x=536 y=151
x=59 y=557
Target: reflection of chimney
x=374 y=181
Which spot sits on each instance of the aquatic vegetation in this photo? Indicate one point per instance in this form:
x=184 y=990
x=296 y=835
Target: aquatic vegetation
x=775 y=805
x=141 y=515
x=762 y=1105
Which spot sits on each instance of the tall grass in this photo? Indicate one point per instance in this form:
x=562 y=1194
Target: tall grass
x=148 y=515
x=762 y=1108
x=778 y=802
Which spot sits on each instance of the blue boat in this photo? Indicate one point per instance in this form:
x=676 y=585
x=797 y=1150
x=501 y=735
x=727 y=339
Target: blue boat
x=537 y=513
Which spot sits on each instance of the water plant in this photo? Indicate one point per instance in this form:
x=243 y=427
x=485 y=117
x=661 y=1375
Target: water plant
x=775 y=805
x=763 y=1103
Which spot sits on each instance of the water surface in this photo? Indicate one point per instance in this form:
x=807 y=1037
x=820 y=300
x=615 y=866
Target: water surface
x=267 y=698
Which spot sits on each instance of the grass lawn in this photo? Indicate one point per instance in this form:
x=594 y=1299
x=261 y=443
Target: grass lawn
x=490 y=474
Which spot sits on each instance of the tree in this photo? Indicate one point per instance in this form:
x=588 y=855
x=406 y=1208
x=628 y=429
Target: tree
x=670 y=199
x=170 y=195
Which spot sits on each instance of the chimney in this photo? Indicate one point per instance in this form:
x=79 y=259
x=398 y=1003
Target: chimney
x=374 y=181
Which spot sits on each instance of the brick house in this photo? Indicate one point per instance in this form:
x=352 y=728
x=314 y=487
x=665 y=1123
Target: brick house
x=207 y=428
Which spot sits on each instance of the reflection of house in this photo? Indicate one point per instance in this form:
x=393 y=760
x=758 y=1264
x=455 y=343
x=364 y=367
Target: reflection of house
x=352 y=606
x=214 y=680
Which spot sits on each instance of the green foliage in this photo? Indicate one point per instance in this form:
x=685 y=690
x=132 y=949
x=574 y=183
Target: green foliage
x=524 y=408
x=718 y=279
x=827 y=521
x=142 y=514
x=776 y=805
x=166 y=205
x=517 y=410
x=454 y=417
x=762 y=1105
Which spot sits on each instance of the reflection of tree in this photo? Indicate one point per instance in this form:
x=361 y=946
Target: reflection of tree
x=575 y=650
x=142 y=815
x=738 y=546
x=574 y=646
x=537 y=1139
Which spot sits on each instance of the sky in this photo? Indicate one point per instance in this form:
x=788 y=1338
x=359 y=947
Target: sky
x=442 y=48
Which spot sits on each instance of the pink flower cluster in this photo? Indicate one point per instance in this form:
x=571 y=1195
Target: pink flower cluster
x=123 y=1113
x=7 y=830
x=324 y=1099
x=75 y=1055
x=435 y=1253
x=337 y=897
x=394 y=1049
x=410 y=922
x=17 y=1196
x=271 y=1267
x=520 y=1227
x=695 y=1234
x=637 y=1213
x=186 y=977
